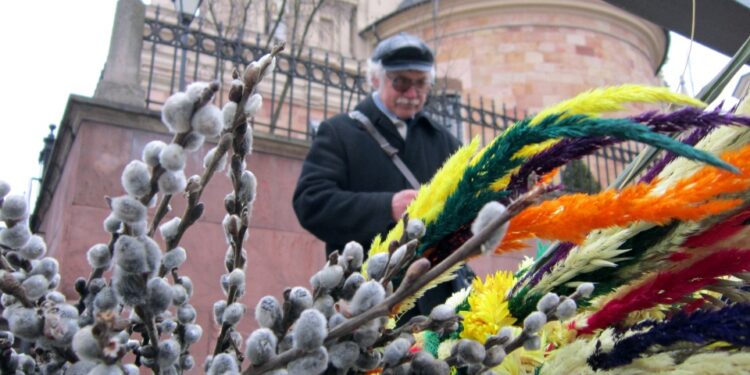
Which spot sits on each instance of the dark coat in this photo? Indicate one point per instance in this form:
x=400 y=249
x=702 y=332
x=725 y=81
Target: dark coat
x=347 y=182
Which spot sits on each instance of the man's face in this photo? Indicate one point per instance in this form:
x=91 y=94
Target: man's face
x=405 y=92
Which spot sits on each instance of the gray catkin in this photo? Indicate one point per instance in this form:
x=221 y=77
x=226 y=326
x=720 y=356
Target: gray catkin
x=329 y=277
x=486 y=215
x=335 y=320
x=253 y=104
x=104 y=369
x=309 y=330
x=186 y=314
x=4 y=189
x=85 y=345
x=187 y=362
x=237 y=278
x=268 y=312
x=173 y=157
x=130 y=254
x=111 y=223
x=415 y=229
x=534 y=322
x=176 y=112
x=313 y=363
x=35 y=286
x=49 y=267
x=532 y=343
x=179 y=295
x=169 y=229
x=352 y=283
x=172 y=182
x=130 y=369
x=35 y=248
x=325 y=304
x=136 y=178
x=159 y=295
x=395 y=351
x=300 y=299
x=343 y=355
x=230 y=108
x=376 y=266
x=196 y=89
x=174 y=258
x=16 y=236
x=368 y=360
x=209 y=158
x=151 y=152
x=548 y=302
x=106 y=299
x=248 y=185
x=219 y=307
x=169 y=352
x=99 y=256
x=566 y=309
x=81 y=367
x=14 y=207
x=470 y=351
x=57 y=297
x=193 y=333
x=153 y=253
x=442 y=313
x=223 y=364
x=24 y=322
x=128 y=209
x=233 y=313
x=208 y=121
x=353 y=255
x=193 y=141
x=129 y=286
x=260 y=347
x=186 y=283
x=367 y=296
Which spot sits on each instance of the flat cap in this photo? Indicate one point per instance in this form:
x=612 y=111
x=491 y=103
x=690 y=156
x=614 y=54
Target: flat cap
x=403 y=51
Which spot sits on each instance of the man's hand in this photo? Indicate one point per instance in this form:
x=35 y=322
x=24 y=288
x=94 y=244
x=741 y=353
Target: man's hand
x=400 y=201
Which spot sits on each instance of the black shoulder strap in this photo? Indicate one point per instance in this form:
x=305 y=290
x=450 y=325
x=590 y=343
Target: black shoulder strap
x=391 y=151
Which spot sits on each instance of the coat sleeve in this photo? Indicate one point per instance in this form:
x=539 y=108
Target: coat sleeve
x=322 y=202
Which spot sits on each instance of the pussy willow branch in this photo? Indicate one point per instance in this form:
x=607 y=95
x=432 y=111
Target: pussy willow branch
x=468 y=249
x=251 y=78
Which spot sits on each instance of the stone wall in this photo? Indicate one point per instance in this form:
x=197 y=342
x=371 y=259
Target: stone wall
x=531 y=54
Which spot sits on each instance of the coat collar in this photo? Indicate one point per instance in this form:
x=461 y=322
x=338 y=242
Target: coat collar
x=369 y=109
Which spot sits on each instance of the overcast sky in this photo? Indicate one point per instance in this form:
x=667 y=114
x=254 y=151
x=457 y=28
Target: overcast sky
x=54 y=48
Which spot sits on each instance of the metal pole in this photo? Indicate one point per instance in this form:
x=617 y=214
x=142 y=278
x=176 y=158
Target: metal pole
x=183 y=60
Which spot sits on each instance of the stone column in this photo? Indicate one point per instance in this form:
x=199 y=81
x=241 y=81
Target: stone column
x=120 y=81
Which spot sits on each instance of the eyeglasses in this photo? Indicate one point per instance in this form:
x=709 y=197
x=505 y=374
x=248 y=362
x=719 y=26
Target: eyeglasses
x=403 y=84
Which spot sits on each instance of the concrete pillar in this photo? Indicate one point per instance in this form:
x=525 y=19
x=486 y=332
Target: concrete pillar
x=120 y=82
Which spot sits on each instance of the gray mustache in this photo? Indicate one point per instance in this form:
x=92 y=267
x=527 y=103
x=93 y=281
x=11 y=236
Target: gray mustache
x=407 y=101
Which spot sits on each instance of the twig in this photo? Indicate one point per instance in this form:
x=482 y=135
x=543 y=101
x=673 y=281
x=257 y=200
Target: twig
x=251 y=78
x=468 y=249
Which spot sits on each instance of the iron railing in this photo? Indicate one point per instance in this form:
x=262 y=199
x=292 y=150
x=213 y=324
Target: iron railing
x=321 y=84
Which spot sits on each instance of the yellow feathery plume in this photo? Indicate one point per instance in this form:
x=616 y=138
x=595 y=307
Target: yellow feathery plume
x=595 y=102
x=432 y=196
x=611 y=99
x=488 y=311
x=410 y=302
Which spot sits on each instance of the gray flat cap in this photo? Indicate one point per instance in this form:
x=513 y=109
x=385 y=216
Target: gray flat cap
x=403 y=51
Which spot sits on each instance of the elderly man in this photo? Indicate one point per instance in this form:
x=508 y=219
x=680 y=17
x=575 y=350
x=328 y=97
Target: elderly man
x=350 y=189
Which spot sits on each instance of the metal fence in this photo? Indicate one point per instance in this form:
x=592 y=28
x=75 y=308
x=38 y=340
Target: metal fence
x=320 y=84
